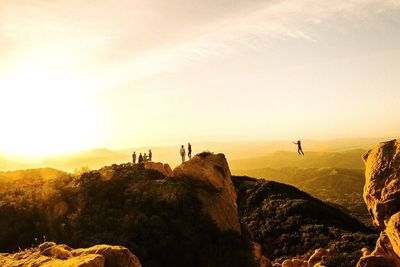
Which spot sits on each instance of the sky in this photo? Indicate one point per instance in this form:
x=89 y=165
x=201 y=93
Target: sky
x=76 y=75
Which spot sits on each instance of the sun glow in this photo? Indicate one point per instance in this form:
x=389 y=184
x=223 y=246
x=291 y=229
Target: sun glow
x=45 y=112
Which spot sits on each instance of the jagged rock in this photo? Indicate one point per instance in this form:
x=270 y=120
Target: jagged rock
x=315 y=260
x=260 y=259
x=382 y=185
x=51 y=255
x=58 y=251
x=211 y=177
x=393 y=231
x=115 y=256
x=382 y=196
x=375 y=261
x=158 y=166
x=294 y=263
x=317 y=257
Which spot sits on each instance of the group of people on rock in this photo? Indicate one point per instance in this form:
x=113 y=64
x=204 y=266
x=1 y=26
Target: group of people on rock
x=142 y=158
x=148 y=157
x=182 y=152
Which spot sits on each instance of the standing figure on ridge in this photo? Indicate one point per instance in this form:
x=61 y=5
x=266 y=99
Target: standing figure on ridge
x=140 y=160
x=150 y=155
x=183 y=153
x=299 y=149
x=134 y=157
x=189 y=151
x=145 y=158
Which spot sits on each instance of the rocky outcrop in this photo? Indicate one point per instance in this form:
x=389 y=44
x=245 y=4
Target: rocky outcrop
x=50 y=254
x=382 y=196
x=317 y=259
x=158 y=166
x=210 y=175
x=259 y=258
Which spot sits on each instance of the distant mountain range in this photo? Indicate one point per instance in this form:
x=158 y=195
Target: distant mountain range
x=242 y=155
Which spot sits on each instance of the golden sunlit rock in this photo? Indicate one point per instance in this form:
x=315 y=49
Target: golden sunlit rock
x=210 y=172
x=51 y=255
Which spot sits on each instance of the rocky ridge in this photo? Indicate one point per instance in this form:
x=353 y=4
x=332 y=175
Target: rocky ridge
x=50 y=254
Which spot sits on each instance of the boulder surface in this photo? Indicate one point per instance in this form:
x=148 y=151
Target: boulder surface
x=50 y=254
x=210 y=175
x=382 y=196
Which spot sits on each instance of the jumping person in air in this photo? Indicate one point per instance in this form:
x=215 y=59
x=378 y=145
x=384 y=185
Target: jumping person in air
x=299 y=149
x=182 y=152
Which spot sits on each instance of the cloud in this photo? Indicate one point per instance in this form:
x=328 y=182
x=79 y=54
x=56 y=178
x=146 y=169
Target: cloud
x=117 y=43
x=253 y=29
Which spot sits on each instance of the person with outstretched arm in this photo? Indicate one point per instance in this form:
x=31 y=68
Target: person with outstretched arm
x=299 y=148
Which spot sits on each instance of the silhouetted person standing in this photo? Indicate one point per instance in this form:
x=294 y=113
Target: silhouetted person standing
x=299 y=148
x=145 y=158
x=183 y=153
x=140 y=160
x=150 y=155
x=134 y=157
x=189 y=151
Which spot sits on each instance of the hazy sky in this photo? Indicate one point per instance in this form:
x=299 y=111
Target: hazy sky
x=81 y=74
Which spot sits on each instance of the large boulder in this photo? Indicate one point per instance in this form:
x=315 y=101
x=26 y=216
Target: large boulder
x=158 y=166
x=210 y=175
x=382 y=185
x=382 y=196
x=50 y=254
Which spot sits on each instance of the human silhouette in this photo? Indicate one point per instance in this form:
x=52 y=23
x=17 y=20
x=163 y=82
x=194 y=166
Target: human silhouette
x=145 y=158
x=150 y=155
x=182 y=152
x=299 y=149
x=140 y=160
x=134 y=157
x=189 y=151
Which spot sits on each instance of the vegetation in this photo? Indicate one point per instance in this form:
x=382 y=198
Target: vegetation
x=288 y=222
x=338 y=186
x=160 y=220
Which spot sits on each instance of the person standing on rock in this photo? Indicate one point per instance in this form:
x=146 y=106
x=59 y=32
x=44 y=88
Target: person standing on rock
x=140 y=160
x=299 y=148
x=134 y=157
x=145 y=158
x=189 y=151
x=150 y=155
x=183 y=153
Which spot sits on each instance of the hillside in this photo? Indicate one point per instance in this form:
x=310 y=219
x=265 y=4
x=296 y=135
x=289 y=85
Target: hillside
x=190 y=214
x=282 y=159
x=338 y=186
x=160 y=219
x=288 y=222
x=241 y=154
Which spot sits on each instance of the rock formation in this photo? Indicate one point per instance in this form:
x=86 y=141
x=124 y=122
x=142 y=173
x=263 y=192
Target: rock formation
x=50 y=254
x=212 y=179
x=317 y=259
x=382 y=196
x=158 y=166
